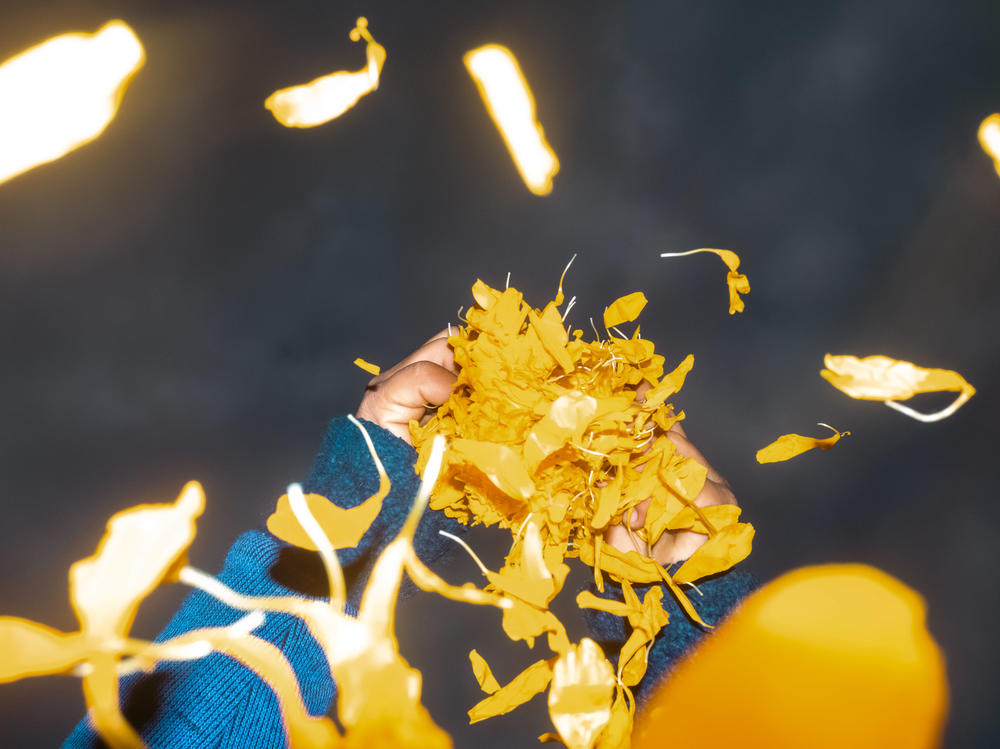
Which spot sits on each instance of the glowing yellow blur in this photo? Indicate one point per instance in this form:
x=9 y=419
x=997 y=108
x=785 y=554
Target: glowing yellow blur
x=331 y=95
x=62 y=93
x=989 y=138
x=512 y=107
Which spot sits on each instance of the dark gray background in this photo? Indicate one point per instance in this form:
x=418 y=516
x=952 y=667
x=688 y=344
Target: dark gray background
x=183 y=298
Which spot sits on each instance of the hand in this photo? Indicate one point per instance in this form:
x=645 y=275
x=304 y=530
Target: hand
x=421 y=382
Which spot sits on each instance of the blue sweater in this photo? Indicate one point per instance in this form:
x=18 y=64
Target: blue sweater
x=217 y=702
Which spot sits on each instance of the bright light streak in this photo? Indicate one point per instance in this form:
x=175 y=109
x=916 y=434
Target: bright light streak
x=512 y=107
x=989 y=138
x=331 y=95
x=62 y=93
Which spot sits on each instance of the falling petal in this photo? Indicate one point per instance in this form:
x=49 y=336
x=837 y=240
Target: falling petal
x=329 y=96
x=582 y=691
x=787 y=446
x=737 y=282
x=509 y=101
x=141 y=547
x=890 y=380
x=534 y=679
x=625 y=309
x=484 y=676
x=989 y=138
x=62 y=93
x=30 y=649
x=373 y=369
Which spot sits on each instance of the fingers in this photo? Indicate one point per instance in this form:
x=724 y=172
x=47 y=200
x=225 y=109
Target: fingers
x=405 y=395
x=435 y=349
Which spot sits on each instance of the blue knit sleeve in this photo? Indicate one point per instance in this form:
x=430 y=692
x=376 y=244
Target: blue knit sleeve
x=216 y=701
x=719 y=594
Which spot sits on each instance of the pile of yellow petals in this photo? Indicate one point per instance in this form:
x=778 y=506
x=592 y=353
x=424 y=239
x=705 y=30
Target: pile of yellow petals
x=890 y=380
x=548 y=439
x=824 y=657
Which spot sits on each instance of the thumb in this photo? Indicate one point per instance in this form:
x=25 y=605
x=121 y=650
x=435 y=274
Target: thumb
x=405 y=395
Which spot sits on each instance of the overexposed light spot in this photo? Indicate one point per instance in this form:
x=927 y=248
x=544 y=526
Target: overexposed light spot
x=512 y=107
x=62 y=93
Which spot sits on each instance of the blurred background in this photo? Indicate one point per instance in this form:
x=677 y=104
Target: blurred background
x=183 y=297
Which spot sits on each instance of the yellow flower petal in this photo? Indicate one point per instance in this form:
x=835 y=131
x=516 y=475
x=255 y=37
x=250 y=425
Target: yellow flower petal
x=889 y=380
x=787 y=446
x=329 y=96
x=625 y=309
x=534 y=679
x=580 y=697
x=989 y=138
x=30 y=649
x=481 y=670
x=720 y=552
x=141 y=547
x=737 y=282
x=373 y=369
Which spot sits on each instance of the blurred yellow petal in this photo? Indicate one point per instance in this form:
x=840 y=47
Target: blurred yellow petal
x=583 y=686
x=823 y=657
x=534 y=679
x=140 y=548
x=344 y=526
x=618 y=731
x=737 y=282
x=989 y=138
x=481 y=670
x=720 y=552
x=889 y=380
x=787 y=446
x=62 y=93
x=624 y=309
x=509 y=101
x=370 y=368
x=30 y=649
x=329 y=96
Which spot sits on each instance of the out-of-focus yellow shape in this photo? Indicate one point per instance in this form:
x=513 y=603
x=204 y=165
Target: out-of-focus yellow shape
x=738 y=283
x=889 y=380
x=624 y=309
x=62 y=93
x=141 y=547
x=989 y=138
x=823 y=657
x=329 y=96
x=512 y=107
x=583 y=687
x=787 y=446
x=484 y=675
x=342 y=527
x=374 y=369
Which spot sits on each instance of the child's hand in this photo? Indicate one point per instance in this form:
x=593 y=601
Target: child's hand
x=420 y=382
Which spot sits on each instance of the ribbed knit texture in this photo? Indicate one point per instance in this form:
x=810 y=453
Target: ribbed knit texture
x=217 y=702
